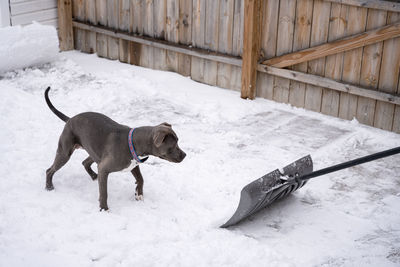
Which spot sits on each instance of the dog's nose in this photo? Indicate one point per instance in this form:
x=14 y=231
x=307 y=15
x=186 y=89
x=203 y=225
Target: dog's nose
x=183 y=155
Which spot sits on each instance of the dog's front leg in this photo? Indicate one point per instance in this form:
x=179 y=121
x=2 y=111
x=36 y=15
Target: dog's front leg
x=103 y=177
x=139 y=181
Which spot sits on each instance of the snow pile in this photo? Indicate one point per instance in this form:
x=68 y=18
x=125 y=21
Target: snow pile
x=350 y=218
x=27 y=46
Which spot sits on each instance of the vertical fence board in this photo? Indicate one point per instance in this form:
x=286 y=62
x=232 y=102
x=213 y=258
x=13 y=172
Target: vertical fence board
x=78 y=12
x=238 y=22
x=90 y=15
x=146 y=58
x=287 y=13
x=251 y=47
x=319 y=35
x=237 y=44
x=388 y=80
x=352 y=62
x=224 y=76
x=101 y=17
x=185 y=35
x=135 y=11
x=124 y=14
x=198 y=34
x=301 y=40
x=265 y=82
x=334 y=63
x=370 y=66
x=211 y=40
x=65 y=31
x=172 y=33
x=159 y=20
x=112 y=22
x=136 y=26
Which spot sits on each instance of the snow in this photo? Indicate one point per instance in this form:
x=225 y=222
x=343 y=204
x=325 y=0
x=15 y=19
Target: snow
x=25 y=46
x=350 y=218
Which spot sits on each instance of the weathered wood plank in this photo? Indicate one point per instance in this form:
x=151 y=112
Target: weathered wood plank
x=78 y=12
x=172 y=33
x=301 y=40
x=90 y=15
x=287 y=14
x=251 y=47
x=334 y=63
x=136 y=10
x=345 y=44
x=65 y=31
x=265 y=82
x=147 y=57
x=198 y=35
x=319 y=34
x=352 y=62
x=185 y=35
x=159 y=20
x=101 y=18
x=136 y=27
x=393 y=5
x=112 y=22
x=371 y=63
x=331 y=84
x=225 y=38
x=211 y=40
x=237 y=44
x=388 y=78
x=124 y=25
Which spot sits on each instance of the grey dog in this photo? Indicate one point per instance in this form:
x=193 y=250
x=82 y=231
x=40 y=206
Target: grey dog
x=114 y=147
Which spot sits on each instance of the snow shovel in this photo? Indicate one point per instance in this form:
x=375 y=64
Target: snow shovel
x=279 y=183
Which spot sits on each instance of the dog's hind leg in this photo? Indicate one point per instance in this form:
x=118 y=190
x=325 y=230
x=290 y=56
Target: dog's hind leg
x=66 y=146
x=87 y=163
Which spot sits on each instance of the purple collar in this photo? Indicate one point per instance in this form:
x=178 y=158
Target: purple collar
x=135 y=156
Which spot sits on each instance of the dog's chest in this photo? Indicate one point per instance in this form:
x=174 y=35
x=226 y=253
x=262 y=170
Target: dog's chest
x=131 y=166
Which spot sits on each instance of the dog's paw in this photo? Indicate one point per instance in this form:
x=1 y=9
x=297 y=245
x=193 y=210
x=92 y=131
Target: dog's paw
x=138 y=197
x=49 y=187
x=104 y=209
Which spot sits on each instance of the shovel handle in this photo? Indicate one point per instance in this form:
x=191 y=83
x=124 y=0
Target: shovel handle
x=351 y=163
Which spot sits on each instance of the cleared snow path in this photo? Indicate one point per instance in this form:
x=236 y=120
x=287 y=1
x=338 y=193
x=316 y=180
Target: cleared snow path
x=351 y=218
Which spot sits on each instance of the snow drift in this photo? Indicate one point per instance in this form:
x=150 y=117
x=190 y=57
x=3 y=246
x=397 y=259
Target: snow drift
x=27 y=46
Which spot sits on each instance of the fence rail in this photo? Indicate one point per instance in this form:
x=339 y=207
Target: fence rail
x=351 y=71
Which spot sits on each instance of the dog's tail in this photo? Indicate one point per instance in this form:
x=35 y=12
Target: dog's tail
x=52 y=108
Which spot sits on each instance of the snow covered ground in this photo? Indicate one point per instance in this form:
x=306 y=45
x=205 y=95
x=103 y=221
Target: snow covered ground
x=351 y=218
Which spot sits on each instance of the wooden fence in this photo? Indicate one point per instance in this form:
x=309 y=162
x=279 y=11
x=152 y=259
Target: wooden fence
x=338 y=57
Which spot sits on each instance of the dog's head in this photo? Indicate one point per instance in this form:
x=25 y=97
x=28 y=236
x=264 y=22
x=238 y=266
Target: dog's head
x=165 y=143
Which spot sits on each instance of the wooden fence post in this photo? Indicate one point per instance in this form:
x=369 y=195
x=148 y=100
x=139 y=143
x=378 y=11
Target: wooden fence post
x=65 y=33
x=251 y=47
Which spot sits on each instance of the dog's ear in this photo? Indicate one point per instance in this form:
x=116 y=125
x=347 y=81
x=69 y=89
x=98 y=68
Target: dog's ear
x=166 y=124
x=161 y=132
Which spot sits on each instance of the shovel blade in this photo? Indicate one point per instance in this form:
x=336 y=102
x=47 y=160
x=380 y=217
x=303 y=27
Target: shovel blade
x=262 y=192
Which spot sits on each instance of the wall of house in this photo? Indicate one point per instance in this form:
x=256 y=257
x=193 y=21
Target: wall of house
x=23 y=12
